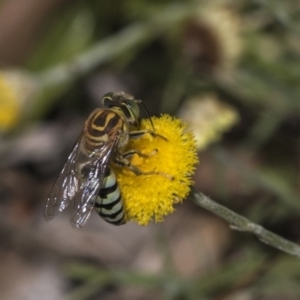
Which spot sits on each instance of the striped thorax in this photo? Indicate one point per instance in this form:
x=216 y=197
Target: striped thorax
x=102 y=126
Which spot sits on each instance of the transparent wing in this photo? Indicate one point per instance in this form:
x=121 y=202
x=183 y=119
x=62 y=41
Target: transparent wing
x=66 y=185
x=91 y=183
x=79 y=181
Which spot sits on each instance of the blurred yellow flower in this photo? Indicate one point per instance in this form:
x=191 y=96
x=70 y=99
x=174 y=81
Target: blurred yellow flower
x=208 y=118
x=212 y=40
x=16 y=89
x=9 y=108
x=151 y=197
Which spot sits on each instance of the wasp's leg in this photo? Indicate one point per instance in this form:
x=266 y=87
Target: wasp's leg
x=135 y=134
x=130 y=153
x=123 y=162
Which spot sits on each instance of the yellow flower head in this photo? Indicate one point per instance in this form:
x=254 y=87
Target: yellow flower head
x=16 y=90
x=151 y=197
x=9 y=108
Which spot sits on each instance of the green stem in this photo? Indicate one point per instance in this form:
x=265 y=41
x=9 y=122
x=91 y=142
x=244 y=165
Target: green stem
x=241 y=223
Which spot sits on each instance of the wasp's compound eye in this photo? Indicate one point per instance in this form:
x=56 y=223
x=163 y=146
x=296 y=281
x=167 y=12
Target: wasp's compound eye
x=107 y=100
x=134 y=111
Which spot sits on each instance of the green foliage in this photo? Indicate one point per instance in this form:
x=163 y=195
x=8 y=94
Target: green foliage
x=71 y=33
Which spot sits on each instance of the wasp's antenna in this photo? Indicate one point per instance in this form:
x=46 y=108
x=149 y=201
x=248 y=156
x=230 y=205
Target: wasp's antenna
x=146 y=110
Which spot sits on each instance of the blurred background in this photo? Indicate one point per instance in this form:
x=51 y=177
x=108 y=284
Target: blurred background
x=230 y=69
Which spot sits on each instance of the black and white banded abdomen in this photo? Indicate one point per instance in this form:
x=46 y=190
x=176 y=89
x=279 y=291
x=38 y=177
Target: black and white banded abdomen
x=109 y=203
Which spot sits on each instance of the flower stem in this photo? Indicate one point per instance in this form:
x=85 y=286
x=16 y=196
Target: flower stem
x=240 y=223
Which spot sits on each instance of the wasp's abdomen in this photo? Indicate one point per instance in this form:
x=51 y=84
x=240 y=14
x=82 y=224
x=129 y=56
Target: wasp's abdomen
x=109 y=203
x=101 y=125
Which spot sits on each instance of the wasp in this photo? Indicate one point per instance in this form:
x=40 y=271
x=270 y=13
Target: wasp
x=87 y=179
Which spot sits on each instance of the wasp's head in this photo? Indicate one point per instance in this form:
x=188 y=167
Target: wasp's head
x=124 y=103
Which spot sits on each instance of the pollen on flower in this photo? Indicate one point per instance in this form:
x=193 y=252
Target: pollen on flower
x=151 y=197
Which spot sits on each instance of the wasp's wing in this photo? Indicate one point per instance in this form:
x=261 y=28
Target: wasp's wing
x=66 y=185
x=92 y=182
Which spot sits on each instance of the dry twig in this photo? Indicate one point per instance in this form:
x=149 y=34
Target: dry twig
x=238 y=222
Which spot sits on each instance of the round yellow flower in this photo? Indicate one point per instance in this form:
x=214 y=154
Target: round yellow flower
x=151 y=197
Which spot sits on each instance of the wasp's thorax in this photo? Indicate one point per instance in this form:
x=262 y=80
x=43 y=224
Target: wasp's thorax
x=119 y=115
x=124 y=104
